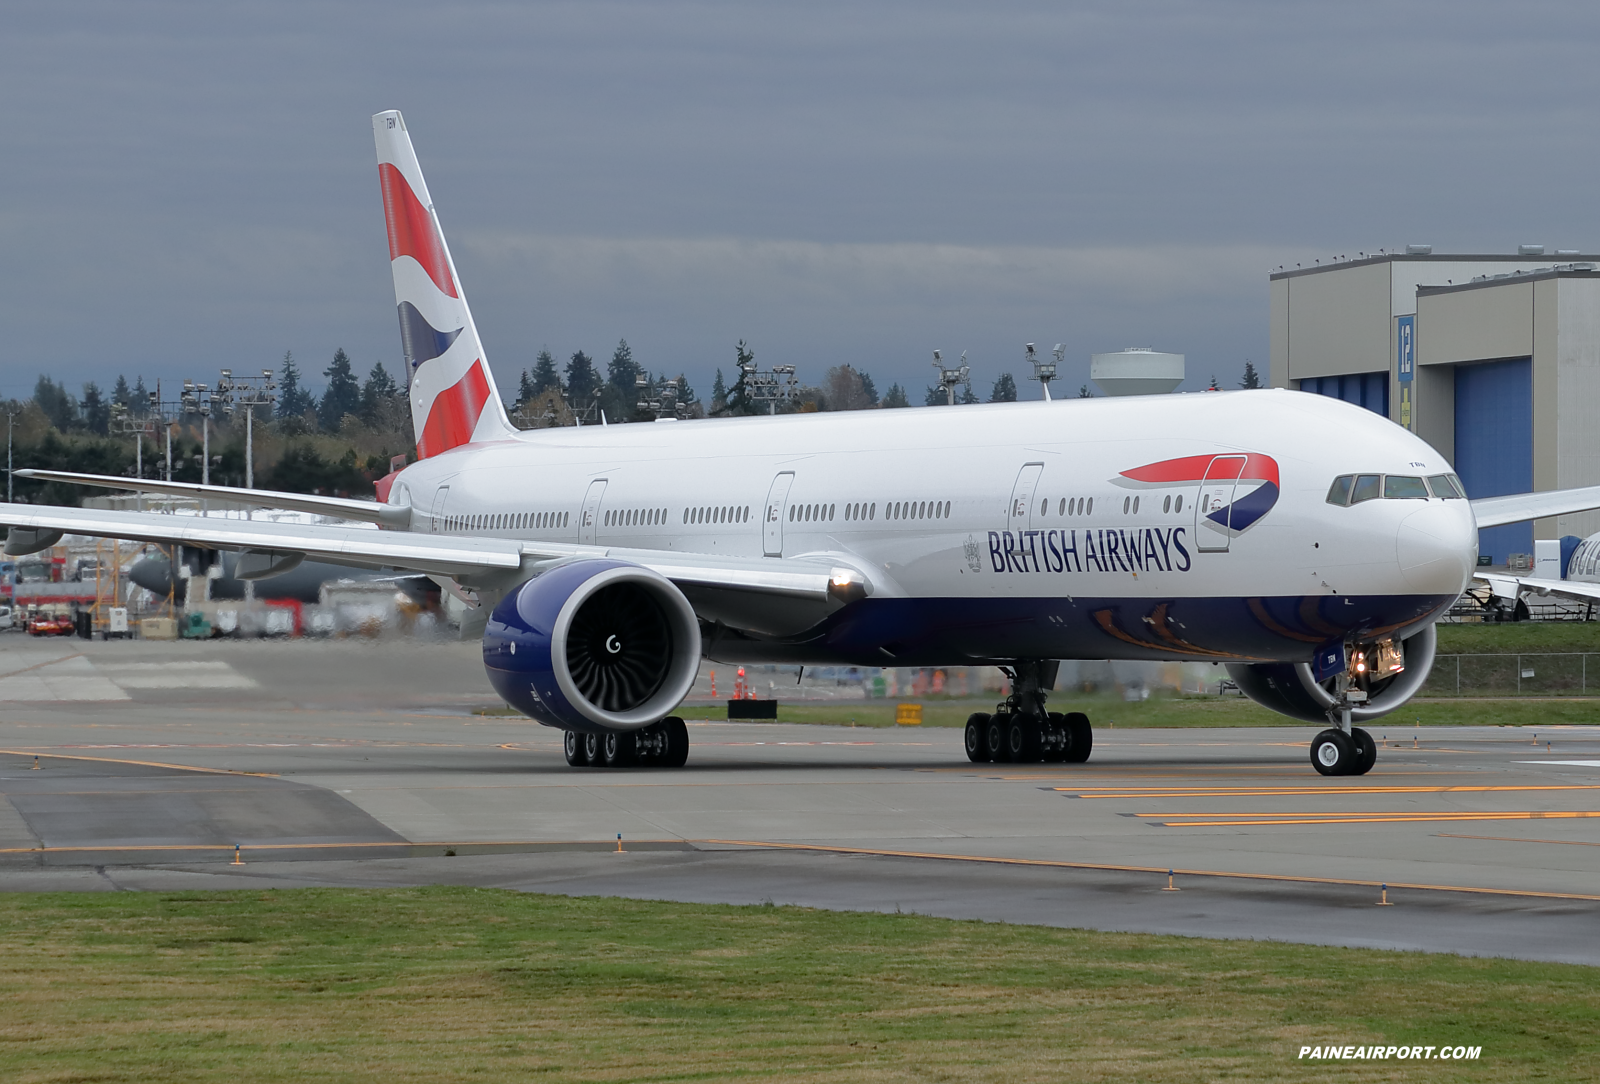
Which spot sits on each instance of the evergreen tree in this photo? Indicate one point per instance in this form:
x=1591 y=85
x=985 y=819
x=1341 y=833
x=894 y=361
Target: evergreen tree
x=936 y=396
x=525 y=390
x=56 y=402
x=966 y=396
x=343 y=394
x=719 y=394
x=141 y=396
x=545 y=376
x=686 y=394
x=1084 y=392
x=1214 y=386
x=739 y=395
x=582 y=380
x=1252 y=379
x=122 y=395
x=96 y=411
x=869 y=388
x=895 y=396
x=293 y=400
x=1005 y=390
x=623 y=371
x=379 y=390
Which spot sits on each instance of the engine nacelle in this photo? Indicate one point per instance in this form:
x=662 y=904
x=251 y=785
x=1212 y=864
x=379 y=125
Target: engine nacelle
x=593 y=645
x=1290 y=689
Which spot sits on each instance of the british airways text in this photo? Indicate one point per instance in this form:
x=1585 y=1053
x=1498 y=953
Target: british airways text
x=1147 y=549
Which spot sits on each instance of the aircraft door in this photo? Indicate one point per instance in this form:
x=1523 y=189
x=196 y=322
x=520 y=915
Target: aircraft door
x=438 y=508
x=589 y=517
x=1212 y=510
x=1020 y=514
x=772 y=515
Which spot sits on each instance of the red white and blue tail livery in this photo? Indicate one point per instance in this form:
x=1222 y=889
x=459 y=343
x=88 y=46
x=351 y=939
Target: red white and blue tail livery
x=453 y=398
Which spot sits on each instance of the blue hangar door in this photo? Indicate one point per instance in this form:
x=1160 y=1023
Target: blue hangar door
x=1494 y=443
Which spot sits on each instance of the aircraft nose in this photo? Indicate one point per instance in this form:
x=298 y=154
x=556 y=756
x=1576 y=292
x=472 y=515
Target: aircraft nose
x=1437 y=546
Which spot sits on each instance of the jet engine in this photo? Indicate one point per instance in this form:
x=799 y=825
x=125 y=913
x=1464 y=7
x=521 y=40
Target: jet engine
x=593 y=645
x=1379 y=677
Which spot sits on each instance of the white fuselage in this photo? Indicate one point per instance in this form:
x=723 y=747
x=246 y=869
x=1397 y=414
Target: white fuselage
x=1017 y=512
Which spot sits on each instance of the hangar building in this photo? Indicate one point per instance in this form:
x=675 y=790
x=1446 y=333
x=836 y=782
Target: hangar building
x=1492 y=359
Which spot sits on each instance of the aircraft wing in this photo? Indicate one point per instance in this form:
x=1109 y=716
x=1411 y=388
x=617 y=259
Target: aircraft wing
x=340 y=507
x=1510 y=587
x=456 y=556
x=1521 y=507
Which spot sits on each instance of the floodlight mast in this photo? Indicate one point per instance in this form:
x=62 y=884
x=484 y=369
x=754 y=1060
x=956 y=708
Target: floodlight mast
x=664 y=402
x=949 y=378
x=248 y=392
x=765 y=386
x=1045 y=371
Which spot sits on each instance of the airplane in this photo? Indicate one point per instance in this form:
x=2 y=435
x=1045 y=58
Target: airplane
x=1306 y=544
x=1581 y=582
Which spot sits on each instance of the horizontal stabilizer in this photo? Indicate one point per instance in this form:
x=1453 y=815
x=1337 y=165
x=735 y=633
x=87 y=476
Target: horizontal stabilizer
x=338 y=507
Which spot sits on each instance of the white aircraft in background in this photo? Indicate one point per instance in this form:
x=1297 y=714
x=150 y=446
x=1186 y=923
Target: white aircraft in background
x=1306 y=543
x=1581 y=582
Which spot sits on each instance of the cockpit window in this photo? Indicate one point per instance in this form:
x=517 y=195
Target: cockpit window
x=1340 y=493
x=1447 y=486
x=1399 y=487
x=1369 y=487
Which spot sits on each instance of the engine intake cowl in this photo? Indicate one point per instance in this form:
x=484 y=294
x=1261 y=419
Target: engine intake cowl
x=593 y=645
x=1290 y=689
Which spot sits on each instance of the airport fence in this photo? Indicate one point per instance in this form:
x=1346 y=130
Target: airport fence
x=1556 y=674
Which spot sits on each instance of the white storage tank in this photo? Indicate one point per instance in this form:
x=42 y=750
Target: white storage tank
x=1136 y=371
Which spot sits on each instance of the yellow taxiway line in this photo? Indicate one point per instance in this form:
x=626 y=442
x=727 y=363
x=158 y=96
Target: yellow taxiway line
x=139 y=763
x=1249 y=820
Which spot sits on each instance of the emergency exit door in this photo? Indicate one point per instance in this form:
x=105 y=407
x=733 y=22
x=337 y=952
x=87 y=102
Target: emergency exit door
x=589 y=517
x=1020 y=515
x=772 y=515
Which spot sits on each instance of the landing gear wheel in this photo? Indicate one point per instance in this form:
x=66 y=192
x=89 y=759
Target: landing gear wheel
x=1333 y=753
x=677 y=753
x=591 y=748
x=1057 y=742
x=572 y=745
x=996 y=738
x=977 y=737
x=1366 y=751
x=616 y=749
x=1022 y=739
x=1082 y=737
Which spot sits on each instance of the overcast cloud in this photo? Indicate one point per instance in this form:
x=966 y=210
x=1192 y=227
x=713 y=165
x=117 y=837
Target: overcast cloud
x=188 y=186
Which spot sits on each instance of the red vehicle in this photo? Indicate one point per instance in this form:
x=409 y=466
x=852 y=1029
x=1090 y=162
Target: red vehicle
x=50 y=625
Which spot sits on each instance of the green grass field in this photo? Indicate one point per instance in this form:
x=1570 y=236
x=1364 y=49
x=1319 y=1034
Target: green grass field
x=451 y=984
x=1519 y=636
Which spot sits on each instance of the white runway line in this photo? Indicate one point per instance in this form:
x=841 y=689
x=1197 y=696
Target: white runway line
x=1575 y=763
x=72 y=678
x=176 y=675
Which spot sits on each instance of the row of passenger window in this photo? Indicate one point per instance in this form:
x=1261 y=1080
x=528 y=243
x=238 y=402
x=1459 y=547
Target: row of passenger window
x=1350 y=489
x=724 y=514
x=506 y=521
x=636 y=517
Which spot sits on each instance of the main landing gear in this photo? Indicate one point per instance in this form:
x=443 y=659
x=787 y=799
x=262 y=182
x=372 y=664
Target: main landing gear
x=660 y=745
x=1021 y=731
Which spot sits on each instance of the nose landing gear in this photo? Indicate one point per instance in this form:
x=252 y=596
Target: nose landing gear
x=1334 y=752
x=1021 y=731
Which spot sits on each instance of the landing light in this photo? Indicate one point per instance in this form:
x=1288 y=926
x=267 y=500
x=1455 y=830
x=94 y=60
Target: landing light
x=843 y=577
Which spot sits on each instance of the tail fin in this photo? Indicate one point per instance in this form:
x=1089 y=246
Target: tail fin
x=453 y=397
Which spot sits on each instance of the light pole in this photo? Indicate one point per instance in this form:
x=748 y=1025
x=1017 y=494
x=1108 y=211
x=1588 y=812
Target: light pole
x=770 y=386
x=1045 y=371
x=11 y=412
x=949 y=378
x=248 y=392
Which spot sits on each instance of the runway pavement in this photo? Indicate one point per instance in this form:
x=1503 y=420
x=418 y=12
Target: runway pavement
x=363 y=764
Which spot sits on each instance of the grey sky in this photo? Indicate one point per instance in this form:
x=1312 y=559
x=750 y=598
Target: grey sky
x=188 y=186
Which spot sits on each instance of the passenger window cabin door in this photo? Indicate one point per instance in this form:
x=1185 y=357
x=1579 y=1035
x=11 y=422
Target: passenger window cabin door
x=772 y=514
x=1212 y=528
x=1019 y=516
x=437 y=517
x=589 y=516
